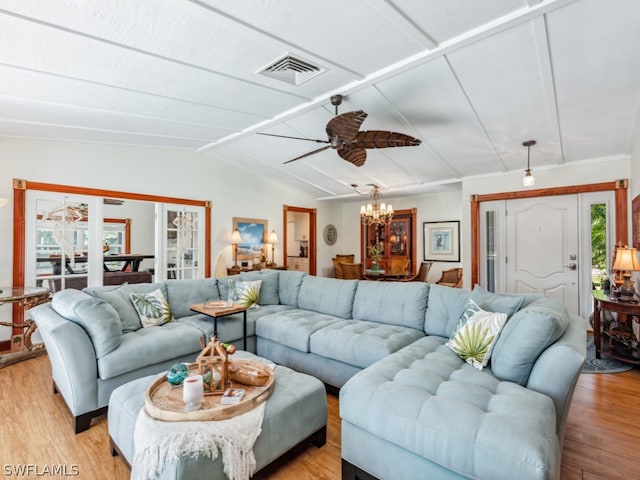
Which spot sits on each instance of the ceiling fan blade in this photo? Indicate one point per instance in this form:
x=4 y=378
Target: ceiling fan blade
x=346 y=125
x=383 y=139
x=294 y=138
x=307 y=154
x=353 y=153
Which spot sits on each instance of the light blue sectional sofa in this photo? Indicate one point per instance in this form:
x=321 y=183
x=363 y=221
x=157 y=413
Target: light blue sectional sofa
x=410 y=406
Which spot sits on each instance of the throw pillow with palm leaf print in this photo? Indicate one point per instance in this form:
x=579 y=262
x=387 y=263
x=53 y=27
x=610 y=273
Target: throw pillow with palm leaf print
x=476 y=334
x=245 y=293
x=153 y=308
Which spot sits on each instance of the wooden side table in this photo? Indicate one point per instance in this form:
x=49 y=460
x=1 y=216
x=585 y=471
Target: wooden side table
x=215 y=312
x=27 y=297
x=621 y=336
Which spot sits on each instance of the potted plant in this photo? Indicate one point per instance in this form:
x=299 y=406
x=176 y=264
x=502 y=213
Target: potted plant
x=375 y=252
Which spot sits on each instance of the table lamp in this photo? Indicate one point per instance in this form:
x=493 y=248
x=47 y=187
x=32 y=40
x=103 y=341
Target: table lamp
x=626 y=262
x=235 y=240
x=273 y=239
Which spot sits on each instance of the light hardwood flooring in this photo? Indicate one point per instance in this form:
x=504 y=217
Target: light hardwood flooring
x=602 y=438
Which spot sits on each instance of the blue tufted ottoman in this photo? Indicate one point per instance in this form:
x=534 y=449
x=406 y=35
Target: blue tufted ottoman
x=295 y=414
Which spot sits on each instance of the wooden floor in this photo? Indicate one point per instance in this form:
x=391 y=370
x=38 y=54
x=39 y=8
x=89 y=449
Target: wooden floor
x=602 y=439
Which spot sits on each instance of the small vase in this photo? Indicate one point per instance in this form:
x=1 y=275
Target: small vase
x=193 y=392
x=375 y=266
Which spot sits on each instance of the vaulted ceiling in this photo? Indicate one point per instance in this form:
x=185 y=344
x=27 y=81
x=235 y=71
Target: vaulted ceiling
x=472 y=79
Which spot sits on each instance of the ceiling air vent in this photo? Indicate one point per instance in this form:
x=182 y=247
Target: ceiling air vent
x=291 y=70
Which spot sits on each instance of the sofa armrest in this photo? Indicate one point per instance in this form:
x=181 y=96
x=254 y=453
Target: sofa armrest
x=557 y=369
x=72 y=356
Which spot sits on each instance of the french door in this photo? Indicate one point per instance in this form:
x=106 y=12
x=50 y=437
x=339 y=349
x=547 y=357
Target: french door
x=180 y=240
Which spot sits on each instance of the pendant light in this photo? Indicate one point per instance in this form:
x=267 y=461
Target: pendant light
x=528 y=180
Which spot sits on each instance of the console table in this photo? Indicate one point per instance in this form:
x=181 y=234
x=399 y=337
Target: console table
x=623 y=344
x=27 y=297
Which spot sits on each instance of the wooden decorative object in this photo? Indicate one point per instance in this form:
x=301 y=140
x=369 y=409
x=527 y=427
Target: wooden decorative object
x=213 y=365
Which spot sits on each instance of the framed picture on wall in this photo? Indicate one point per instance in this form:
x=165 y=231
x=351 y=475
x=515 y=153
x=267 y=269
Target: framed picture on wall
x=442 y=241
x=253 y=233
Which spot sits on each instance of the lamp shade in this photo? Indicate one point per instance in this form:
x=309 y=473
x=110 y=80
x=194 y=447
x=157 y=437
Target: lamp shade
x=626 y=260
x=3 y=202
x=273 y=238
x=235 y=237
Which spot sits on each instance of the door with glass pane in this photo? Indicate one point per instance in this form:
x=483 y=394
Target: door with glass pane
x=180 y=241
x=63 y=241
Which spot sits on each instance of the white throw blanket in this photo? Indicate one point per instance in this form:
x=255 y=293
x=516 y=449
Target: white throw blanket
x=157 y=442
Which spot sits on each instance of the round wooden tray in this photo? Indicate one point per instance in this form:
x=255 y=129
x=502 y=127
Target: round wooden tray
x=163 y=401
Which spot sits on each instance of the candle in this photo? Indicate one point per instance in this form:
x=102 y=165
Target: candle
x=192 y=392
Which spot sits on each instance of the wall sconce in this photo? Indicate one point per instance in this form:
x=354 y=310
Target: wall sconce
x=235 y=240
x=273 y=239
x=528 y=180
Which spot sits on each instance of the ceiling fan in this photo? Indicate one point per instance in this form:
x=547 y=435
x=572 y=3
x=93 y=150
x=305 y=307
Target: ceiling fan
x=345 y=136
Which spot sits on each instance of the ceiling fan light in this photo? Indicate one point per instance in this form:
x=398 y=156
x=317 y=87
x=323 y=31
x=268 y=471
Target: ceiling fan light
x=528 y=180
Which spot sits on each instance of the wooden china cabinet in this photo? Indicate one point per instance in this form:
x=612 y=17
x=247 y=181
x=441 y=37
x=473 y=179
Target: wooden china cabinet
x=398 y=239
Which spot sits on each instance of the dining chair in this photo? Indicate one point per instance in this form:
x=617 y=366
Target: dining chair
x=451 y=278
x=338 y=260
x=398 y=266
x=352 y=271
x=422 y=274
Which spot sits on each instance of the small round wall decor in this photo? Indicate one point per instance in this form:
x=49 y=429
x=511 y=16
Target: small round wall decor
x=330 y=234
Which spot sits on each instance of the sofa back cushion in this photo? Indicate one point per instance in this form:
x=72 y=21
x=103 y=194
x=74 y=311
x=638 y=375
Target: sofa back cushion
x=525 y=336
x=269 y=287
x=497 y=302
x=444 y=309
x=120 y=299
x=327 y=295
x=181 y=294
x=392 y=303
x=99 y=319
x=289 y=286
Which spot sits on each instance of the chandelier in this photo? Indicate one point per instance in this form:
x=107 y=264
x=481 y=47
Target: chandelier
x=374 y=213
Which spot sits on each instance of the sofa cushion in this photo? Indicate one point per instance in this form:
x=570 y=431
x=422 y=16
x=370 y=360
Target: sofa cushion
x=99 y=319
x=292 y=328
x=458 y=417
x=476 y=334
x=244 y=293
x=497 y=302
x=359 y=342
x=149 y=346
x=153 y=308
x=268 y=288
x=289 y=287
x=393 y=303
x=184 y=293
x=120 y=299
x=327 y=295
x=525 y=336
x=443 y=309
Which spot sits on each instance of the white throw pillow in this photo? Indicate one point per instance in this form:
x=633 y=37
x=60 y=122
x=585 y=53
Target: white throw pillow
x=153 y=308
x=476 y=334
x=244 y=293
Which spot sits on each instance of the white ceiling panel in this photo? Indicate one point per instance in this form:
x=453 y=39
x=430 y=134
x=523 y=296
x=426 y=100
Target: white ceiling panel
x=472 y=80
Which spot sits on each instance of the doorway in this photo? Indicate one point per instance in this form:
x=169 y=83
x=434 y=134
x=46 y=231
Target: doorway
x=540 y=240
x=299 y=238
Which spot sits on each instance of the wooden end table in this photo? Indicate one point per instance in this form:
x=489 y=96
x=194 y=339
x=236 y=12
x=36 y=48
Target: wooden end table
x=216 y=311
x=27 y=297
x=625 y=312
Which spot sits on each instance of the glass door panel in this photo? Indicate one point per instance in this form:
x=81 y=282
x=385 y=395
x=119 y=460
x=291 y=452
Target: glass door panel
x=180 y=254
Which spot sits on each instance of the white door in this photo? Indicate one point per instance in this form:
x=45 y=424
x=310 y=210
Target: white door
x=179 y=242
x=542 y=248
